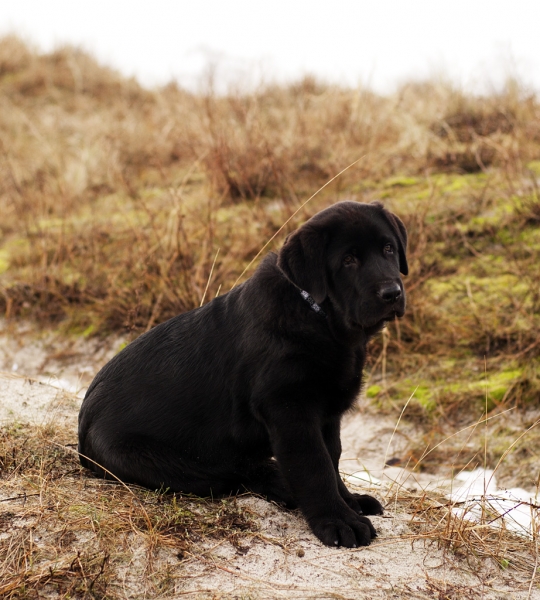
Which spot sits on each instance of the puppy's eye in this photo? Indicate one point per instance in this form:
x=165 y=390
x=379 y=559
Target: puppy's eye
x=348 y=259
x=389 y=249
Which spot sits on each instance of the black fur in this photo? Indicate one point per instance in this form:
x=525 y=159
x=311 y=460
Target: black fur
x=247 y=392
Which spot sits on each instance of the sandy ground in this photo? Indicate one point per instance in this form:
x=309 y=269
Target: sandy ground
x=285 y=560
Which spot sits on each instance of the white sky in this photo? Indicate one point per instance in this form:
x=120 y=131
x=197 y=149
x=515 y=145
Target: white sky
x=373 y=42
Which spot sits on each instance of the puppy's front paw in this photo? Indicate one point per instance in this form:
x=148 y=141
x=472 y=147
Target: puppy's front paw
x=364 y=504
x=349 y=530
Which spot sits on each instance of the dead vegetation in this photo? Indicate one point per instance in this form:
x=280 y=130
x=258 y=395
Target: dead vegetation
x=66 y=534
x=116 y=199
x=75 y=536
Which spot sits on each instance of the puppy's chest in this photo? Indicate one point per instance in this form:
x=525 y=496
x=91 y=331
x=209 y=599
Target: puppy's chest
x=344 y=377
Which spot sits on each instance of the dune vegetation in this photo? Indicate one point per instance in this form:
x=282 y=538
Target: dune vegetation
x=122 y=206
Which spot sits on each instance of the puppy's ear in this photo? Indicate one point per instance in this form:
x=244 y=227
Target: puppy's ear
x=401 y=234
x=302 y=259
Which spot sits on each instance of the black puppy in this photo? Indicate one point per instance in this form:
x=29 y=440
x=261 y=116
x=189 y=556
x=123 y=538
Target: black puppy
x=247 y=392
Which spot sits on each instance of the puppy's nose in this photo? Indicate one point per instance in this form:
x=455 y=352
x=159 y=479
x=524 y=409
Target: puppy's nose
x=391 y=293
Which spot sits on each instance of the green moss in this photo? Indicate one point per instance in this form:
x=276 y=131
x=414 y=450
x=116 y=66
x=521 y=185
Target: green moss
x=373 y=391
x=421 y=394
x=425 y=397
x=491 y=389
x=531 y=238
x=401 y=181
x=496 y=386
x=424 y=194
x=452 y=183
x=463 y=293
x=89 y=330
x=534 y=166
x=441 y=289
x=468 y=387
x=456 y=184
x=495 y=218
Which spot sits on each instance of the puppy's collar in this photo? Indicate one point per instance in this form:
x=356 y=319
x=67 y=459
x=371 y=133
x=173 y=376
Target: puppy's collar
x=305 y=295
x=312 y=303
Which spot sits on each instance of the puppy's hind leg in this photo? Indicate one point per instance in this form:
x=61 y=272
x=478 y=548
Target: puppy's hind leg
x=144 y=462
x=266 y=480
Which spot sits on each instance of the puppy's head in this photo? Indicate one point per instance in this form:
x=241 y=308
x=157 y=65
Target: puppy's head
x=351 y=255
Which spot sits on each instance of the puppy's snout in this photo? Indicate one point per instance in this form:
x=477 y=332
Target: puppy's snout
x=390 y=293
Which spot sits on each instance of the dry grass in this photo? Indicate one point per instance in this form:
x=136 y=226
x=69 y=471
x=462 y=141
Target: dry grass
x=116 y=199
x=80 y=537
x=475 y=543
x=66 y=535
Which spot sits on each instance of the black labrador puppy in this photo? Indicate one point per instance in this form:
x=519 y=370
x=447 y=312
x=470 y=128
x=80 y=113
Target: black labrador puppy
x=247 y=392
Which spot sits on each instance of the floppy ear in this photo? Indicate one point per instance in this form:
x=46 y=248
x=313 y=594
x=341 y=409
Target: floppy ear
x=302 y=259
x=401 y=234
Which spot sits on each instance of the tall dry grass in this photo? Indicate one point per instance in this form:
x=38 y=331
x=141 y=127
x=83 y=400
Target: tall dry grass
x=115 y=200
x=67 y=535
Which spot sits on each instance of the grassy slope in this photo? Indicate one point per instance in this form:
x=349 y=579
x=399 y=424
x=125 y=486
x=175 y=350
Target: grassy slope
x=65 y=535
x=115 y=201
